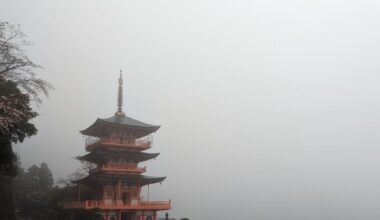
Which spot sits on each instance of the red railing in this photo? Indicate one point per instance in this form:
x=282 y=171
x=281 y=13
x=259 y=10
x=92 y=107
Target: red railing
x=143 y=143
x=103 y=204
x=155 y=204
x=122 y=168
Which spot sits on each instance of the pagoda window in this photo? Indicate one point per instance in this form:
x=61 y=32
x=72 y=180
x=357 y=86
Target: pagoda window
x=125 y=197
x=109 y=194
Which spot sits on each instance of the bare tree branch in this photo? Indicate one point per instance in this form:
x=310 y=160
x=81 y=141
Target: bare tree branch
x=16 y=66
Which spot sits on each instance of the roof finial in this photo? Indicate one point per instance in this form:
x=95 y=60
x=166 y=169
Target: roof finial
x=120 y=96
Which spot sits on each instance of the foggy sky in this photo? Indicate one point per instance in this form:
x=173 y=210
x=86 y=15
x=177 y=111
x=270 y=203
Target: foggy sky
x=269 y=109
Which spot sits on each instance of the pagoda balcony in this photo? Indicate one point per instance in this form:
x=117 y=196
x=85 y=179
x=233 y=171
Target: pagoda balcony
x=119 y=168
x=102 y=204
x=137 y=144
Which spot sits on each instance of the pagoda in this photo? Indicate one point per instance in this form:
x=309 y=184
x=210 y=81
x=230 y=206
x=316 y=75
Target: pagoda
x=115 y=146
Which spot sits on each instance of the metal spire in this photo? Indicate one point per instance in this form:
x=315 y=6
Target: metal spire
x=120 y=97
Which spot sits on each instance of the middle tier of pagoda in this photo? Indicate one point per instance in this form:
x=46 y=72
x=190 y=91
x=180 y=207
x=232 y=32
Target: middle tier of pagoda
x=117 y=142
x=117 y=159
x=122 y=161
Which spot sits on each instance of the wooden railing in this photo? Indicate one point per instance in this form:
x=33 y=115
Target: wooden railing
x=155 y=204
x=144 y=143
x=103 y=204
x=122 y=168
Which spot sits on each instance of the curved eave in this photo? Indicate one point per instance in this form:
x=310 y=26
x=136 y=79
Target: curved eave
x=101 y=155
x=103 y=127
x=102 y=178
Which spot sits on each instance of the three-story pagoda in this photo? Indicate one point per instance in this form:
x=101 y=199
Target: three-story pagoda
x=116 y=146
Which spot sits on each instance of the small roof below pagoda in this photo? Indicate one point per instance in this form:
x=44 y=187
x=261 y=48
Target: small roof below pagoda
x=113 y=178
x=117 y=124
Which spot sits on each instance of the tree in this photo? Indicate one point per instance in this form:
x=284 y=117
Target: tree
x=15 y=113
x=36 y=197
x=15 y=65
x=15 y=127
x=34 y=192
x=19 y=86
x=45 y=177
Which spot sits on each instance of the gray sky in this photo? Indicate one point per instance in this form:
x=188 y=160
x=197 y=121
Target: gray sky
x=269 y=109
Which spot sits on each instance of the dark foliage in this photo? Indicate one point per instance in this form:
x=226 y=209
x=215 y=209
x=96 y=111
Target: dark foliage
x=36 y=197
x=15 y=114
x=18 y=87
x=33 y=190
x=6 y=198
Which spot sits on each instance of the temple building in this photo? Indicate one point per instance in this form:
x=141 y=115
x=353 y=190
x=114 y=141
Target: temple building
x=115 y=146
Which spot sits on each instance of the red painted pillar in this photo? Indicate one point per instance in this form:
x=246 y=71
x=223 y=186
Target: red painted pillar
x=142 y=216
x=106 y=215
x=154 y=215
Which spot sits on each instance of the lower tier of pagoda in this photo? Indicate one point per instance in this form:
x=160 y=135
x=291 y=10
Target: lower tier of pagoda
x=118 y=205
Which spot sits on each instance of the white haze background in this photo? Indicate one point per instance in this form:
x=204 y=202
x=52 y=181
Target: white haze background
x=269 y=109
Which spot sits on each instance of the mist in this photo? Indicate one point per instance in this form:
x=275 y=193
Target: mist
x=269 y=109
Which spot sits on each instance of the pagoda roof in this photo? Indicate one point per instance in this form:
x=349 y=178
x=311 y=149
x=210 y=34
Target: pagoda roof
x=119 y=123
x=106 y=178
x=101 y=155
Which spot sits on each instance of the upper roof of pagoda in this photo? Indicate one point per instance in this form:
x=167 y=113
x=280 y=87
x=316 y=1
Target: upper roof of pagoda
x=119 y=123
